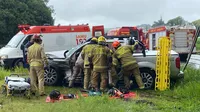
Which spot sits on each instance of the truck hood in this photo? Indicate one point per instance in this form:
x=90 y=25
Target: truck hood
x=153 y=53
x=56 y=54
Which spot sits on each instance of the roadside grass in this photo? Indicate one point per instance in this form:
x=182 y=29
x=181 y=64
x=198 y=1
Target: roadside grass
x=18 y=70
x=183 y=97
x=198 y=44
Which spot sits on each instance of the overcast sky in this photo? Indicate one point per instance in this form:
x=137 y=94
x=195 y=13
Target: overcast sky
x=114 y=13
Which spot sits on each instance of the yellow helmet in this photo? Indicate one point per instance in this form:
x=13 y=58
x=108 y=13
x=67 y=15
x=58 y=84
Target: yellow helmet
x=101 y=39
x=94 y=39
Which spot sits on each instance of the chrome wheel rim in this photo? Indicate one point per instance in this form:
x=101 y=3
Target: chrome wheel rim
x=147 y=80
x=50 y=76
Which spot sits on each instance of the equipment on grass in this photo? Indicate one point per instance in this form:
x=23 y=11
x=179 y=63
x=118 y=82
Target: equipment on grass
x=54 y=95
x=92 y=92
x=162 y=81
x=15 y=85
x=69 y=96
x=115 y=92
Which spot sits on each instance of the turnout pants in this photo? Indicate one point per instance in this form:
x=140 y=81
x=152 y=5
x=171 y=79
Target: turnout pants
x=87 y=77
x=37 y=74
x=101 y=77
x=113 y=77
x=76 y=70
x=136 y=73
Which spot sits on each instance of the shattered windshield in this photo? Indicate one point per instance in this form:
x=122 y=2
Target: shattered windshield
x=14 y=42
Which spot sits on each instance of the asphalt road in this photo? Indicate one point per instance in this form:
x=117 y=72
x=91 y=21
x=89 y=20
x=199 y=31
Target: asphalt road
x=195 y=61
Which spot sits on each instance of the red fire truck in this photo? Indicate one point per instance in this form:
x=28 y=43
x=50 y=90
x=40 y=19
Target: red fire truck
x=181 y=36
x=126 y=32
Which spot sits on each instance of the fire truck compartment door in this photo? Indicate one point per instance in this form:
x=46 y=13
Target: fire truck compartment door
x=180 y=39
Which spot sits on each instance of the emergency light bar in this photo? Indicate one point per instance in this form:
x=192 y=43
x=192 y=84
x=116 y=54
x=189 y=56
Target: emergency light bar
x=24 y=28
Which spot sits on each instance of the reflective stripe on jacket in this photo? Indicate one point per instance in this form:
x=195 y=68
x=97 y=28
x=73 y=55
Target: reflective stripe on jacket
x=100 y=58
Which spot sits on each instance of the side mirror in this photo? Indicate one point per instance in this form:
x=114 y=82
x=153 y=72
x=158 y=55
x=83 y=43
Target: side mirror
x=22 y=47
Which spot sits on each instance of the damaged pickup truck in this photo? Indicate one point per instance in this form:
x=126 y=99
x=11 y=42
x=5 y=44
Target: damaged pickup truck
x=62 y=62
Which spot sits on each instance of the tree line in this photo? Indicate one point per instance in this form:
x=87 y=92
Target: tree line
x=15 y=12
x=176 y=21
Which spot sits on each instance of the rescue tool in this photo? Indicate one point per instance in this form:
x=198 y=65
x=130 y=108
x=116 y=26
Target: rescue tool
x=162 y=81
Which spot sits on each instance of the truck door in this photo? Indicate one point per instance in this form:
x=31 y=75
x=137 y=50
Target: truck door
x=98 y=31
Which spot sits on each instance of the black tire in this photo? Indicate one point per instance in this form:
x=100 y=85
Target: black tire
x=18 y=63
x=148 y=77
x=183 y=57
x=51 y=77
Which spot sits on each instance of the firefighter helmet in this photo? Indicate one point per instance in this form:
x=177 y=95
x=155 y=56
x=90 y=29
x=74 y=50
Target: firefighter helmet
x=101 y=39
x=116 y=44
x=94 y=39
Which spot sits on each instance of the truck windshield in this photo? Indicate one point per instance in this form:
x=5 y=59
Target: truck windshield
x=14 y=42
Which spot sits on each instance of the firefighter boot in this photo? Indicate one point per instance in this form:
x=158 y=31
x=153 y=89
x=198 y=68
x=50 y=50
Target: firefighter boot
x=71 y=83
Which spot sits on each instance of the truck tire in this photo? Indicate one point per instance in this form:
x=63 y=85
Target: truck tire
x=51 y=77
x=183 y=57
x=148 y=77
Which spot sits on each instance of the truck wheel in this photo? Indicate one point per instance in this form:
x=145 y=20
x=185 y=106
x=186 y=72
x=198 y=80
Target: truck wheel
x=50 y=77
x=183 y=57
x=18 y=63
x=148 y=78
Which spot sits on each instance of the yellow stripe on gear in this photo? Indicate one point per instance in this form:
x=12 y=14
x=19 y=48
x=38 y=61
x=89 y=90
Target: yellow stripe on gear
x=36 y=55
x=85 y=53
x=162 y=81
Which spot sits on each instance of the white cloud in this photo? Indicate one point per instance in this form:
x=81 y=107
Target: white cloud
x=112 y=13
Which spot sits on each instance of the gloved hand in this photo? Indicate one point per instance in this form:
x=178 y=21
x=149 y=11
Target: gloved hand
x=136 y=42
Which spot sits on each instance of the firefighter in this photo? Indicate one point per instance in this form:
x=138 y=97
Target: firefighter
x=28 y=44
x=37 y=60
x=87 y=67
x=100 y=57
x=76 y=69
x=113 y=72
x=128 y=63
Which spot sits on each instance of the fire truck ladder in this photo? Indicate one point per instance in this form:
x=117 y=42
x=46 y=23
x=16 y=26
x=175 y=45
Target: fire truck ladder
x=162 y=81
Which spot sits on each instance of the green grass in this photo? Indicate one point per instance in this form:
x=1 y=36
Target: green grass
x=183 y=97
x=198 y=44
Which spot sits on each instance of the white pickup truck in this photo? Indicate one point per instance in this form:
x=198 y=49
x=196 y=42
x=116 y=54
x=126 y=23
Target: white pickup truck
x=64 y=64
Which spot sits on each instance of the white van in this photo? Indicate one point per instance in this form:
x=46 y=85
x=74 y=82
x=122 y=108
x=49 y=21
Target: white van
x=54 y=38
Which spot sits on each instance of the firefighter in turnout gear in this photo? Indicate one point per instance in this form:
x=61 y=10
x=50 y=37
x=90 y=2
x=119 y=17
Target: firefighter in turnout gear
x=37 y=60
x=113 y=77
x=128 y=63
x=76 y=69
x=87 y=67
x=100 y=57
